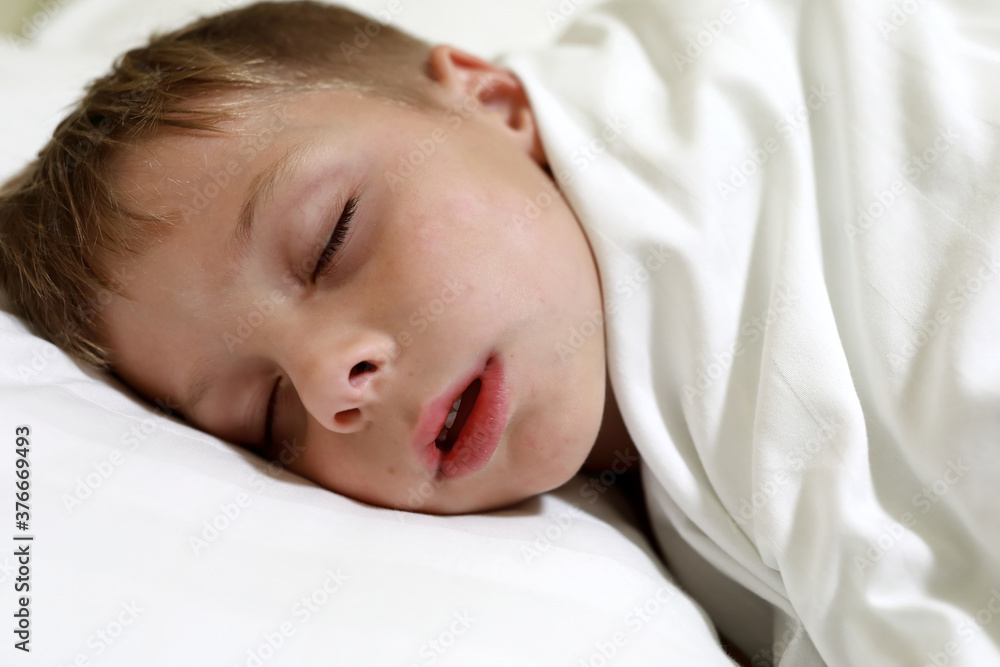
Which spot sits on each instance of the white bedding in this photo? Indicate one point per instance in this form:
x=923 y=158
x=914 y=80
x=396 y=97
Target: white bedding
x=158 y=545
x=155 y=544
x=794 y=209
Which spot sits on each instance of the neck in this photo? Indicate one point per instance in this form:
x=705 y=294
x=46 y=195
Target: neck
x=613 y=441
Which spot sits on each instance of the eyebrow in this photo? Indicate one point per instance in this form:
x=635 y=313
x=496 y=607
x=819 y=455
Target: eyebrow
x=240 y=245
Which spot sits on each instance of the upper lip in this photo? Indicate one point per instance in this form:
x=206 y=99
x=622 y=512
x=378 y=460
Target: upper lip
x=434 y=413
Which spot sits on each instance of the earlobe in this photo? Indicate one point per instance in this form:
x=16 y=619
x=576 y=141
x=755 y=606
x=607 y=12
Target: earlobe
x=463 y=77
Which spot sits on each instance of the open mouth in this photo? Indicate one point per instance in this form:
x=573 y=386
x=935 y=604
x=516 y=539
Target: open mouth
x=457 y=417
x=457 y=434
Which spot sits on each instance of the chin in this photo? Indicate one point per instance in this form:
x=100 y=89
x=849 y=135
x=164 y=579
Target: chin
x=500 y=499
x=522 y=468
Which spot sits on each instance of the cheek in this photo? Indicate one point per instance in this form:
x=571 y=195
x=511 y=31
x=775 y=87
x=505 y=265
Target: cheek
x=556 y=437
x=449 y=260
x=329 y=464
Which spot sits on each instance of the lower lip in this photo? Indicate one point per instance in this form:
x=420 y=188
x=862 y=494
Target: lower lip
x=480 y=436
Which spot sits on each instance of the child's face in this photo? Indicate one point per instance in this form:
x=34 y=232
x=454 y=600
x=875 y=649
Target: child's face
x=461 y=262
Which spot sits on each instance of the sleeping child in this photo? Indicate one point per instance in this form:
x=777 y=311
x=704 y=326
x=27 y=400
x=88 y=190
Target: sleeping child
x=753 y=243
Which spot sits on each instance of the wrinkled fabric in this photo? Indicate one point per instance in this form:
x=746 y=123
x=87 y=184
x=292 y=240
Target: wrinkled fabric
x=793 y=207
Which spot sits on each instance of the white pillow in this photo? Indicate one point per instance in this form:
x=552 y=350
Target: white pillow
x=148 y=533
x=156 y=544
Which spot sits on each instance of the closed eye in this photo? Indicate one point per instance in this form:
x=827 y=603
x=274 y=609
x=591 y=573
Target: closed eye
x=337 y=238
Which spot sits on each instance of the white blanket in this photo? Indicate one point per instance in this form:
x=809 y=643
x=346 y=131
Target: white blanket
x=794 y=210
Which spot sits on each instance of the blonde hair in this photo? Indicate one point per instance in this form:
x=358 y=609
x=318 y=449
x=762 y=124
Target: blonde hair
x=62 y=211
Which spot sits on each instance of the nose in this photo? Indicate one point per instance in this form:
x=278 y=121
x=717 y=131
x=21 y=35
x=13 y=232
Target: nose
x=338 y=384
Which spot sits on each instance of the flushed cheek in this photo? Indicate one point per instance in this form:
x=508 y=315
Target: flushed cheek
x=469 y=215
x=542 y=441
x=557 y=428
x=326 y=464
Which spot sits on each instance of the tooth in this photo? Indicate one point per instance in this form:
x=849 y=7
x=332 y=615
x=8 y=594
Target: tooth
x=453 y=414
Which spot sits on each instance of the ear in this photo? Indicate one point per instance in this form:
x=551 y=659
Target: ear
x=471 y=84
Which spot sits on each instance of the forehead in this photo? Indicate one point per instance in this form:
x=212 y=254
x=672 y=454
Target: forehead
x=177 y=172
x=174 y=166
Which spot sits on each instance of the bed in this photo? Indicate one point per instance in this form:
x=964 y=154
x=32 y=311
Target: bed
x=147 y=542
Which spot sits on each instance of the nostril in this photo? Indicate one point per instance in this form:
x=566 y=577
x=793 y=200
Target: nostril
x=362 y=367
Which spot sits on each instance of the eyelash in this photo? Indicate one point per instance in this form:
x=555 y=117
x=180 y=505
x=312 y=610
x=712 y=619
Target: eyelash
x=336 y=238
